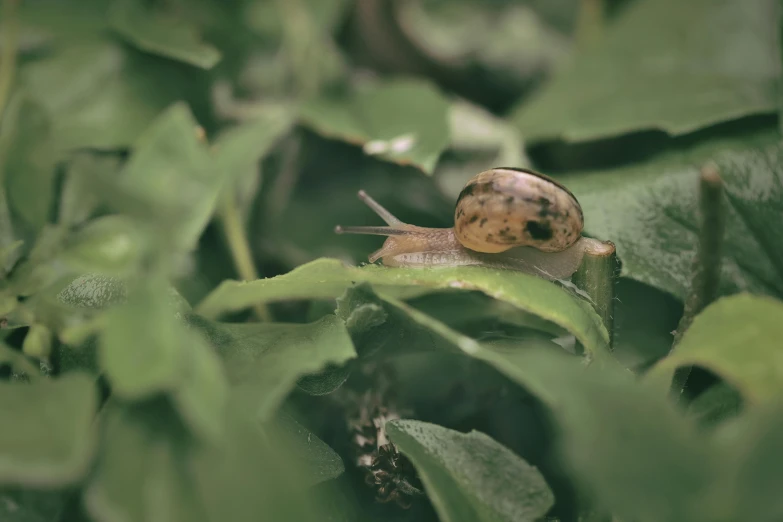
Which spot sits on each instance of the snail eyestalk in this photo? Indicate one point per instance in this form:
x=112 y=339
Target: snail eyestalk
x=395 y=228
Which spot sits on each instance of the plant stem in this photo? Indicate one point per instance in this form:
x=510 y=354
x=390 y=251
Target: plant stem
x=8 y=57
x=706 y=264
x=239 y=247
x=596 y=276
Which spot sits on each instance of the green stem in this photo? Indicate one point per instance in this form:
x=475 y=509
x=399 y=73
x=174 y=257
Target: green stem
x=707 y=263
x=8 y=57
x=239 y=247
x=597 y=276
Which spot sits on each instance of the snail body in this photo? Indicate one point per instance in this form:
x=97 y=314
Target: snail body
x=504 y=218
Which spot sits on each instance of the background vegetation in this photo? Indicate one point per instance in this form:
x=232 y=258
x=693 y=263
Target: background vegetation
x=154 y=153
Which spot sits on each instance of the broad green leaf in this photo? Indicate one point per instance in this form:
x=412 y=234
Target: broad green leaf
x=238 y=152
x=321 y=462
x=264 y=360
x=170 y=176
x=259 y=472
x=508 y=40
x=146 y=350
x=94 y=291
x=753 y=476
x=650 y=212
x=325 y=381
x=141 y=346
x=202 y=391
x=77 y=201
x=625 y=443
x=163 y=33
x=28 y=162
x=402 y=121
x=471 y=477
x=644 y=321
x=666 y=65
x=328 y=278
x=738 y=339
x=141 y=471
x=149 y=468
x=48 y=434
x=98 y=95
x=238 y=149
x=111 y=245
x=406 y=330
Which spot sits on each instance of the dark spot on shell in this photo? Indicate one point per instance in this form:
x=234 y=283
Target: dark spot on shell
x=510 y=200
x=467 y=191
x=505 y=221
x=483 y=222
x=539 y=231
x=545 y=204
x=473 y=218
x=474 y=188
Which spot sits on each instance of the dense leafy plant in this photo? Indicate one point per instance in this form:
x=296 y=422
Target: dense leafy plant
x=184 y=337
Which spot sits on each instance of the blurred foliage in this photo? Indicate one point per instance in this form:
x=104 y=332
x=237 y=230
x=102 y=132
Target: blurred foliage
x=183 y=337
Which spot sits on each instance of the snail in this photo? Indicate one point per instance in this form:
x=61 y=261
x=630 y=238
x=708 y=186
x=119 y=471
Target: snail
x=507 y=218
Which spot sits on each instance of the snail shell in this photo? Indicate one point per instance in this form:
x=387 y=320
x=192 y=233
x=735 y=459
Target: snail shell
x=503 y=208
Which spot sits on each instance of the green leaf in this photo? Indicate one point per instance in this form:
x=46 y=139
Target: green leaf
x=97 y=94
x=28 y=162
x=141 y=471
x=264 y=360
x=649 y=211
x=111 y=245
x=738 y=339
x=141 y=346
x=325 y=381
x=145 y=351
x=644 y=321
x=163 y=33
x=201 y=394
x=47 y=437
x=328 y=278
x=625 y=443
x=471 y=477
x=321 y=462
x=93 y=291
x=504 y=40
x=238 y=149
x=402 y=121
x=753 y=476
x=77 y=201
x=171 y=178
x=150 y=469
x=664 y=65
